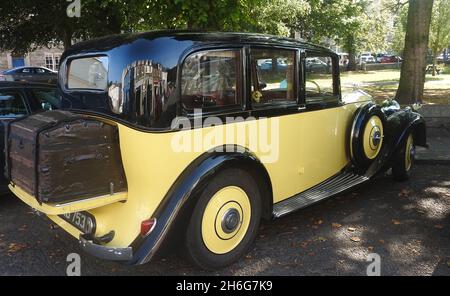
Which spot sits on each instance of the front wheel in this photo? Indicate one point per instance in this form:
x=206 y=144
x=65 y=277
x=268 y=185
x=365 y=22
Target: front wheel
x=404 y=159
x=225 y=220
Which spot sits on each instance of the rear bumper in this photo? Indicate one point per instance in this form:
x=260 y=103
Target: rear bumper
x=104 y=252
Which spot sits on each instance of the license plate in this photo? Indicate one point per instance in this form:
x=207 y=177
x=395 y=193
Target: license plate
x=83 y=221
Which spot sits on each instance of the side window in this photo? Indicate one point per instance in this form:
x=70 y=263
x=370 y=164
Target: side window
x=211 y=79
x=40 y=71
x=272 y=78
x=47 y=98
x=319 y=84
x=12 y=104
x=26 y=70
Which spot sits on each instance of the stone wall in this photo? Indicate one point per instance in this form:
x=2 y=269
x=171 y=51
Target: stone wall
x=34 y=58
x=436 y=115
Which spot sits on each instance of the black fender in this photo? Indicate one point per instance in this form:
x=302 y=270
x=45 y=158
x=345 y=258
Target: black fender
x=363 y=114
x=398 y=126
x=406 y=121
x=174 y=210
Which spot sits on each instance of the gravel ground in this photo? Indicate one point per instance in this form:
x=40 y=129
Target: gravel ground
x=407 y=224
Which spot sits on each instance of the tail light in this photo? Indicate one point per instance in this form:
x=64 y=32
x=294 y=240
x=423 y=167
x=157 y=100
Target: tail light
x=147 y=226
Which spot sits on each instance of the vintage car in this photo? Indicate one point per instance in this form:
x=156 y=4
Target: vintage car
x=180 y=138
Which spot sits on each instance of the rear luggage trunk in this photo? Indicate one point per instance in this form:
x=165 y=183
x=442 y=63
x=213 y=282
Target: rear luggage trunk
x=58 y=156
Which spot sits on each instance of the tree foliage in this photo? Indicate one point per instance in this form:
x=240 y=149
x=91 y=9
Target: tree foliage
x=358 y=25
x=439 y=28
x=28 y=24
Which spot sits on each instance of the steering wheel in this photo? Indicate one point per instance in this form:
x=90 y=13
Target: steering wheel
x=315 y=83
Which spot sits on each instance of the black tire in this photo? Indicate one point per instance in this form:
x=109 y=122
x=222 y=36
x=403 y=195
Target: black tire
x=196 y=250
x=401 y=171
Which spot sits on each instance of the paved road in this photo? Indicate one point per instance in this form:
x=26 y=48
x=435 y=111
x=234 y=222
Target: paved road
x=407 y=224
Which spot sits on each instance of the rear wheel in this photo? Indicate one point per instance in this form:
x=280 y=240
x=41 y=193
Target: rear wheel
x=225 y=220
x=404 y=159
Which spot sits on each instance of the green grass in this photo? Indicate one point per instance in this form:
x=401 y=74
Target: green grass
x=383 y=84
x=446 y=70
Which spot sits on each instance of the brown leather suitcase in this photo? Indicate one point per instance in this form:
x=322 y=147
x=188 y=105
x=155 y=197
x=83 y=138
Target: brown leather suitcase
x=58 y=156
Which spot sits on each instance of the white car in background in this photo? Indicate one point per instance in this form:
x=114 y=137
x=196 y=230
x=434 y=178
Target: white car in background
x=366 y=57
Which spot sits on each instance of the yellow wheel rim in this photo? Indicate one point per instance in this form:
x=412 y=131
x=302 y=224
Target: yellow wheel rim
x=409 y=152
x=226 y=219
x=373 y=137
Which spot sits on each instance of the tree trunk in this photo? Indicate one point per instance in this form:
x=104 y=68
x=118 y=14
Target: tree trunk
x=434 y=63
x=349 y=45
x=412 y=76
x=67 y=40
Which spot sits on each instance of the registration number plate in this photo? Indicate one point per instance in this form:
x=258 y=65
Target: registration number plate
x=83 y=221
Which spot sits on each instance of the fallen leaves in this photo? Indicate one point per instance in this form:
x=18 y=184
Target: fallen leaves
x=336 y=225
x=381 y=241
x=15 y=247
x=438 y=226
x=355 y=239
x=351 y=229
x=396 y=222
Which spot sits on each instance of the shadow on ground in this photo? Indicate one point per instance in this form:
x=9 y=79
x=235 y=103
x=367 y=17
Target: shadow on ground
x=407 y=224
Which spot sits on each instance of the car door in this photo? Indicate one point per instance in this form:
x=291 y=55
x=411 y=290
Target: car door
x=324 y=123
x=274 y=97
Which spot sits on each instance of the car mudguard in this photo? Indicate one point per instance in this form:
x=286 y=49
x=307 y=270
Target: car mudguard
x=398 y=125
x=175 y=208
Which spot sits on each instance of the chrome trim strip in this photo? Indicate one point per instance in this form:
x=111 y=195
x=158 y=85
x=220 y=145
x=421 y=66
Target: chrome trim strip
x=105 y=196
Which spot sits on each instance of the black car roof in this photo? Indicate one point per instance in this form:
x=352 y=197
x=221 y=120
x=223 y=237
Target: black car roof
x=25 y=84
x=112 y=41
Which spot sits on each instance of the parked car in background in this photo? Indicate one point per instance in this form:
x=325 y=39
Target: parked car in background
x=390 y=59
x=378 y=57
x=317 y=65
x=30 y=74
x=366 y=57
x=266 y=64
x=19 y=99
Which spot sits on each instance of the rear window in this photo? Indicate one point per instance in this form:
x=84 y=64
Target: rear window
x=12 y=104
x=88 y=73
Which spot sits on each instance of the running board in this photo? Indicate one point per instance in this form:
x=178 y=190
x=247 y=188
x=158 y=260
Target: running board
x=327 y=188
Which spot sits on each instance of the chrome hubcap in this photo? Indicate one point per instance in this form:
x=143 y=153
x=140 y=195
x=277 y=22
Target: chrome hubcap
x=376 y=138
x=230 y=220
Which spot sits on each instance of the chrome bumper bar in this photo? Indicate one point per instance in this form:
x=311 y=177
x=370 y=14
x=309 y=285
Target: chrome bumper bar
x=108 y=253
